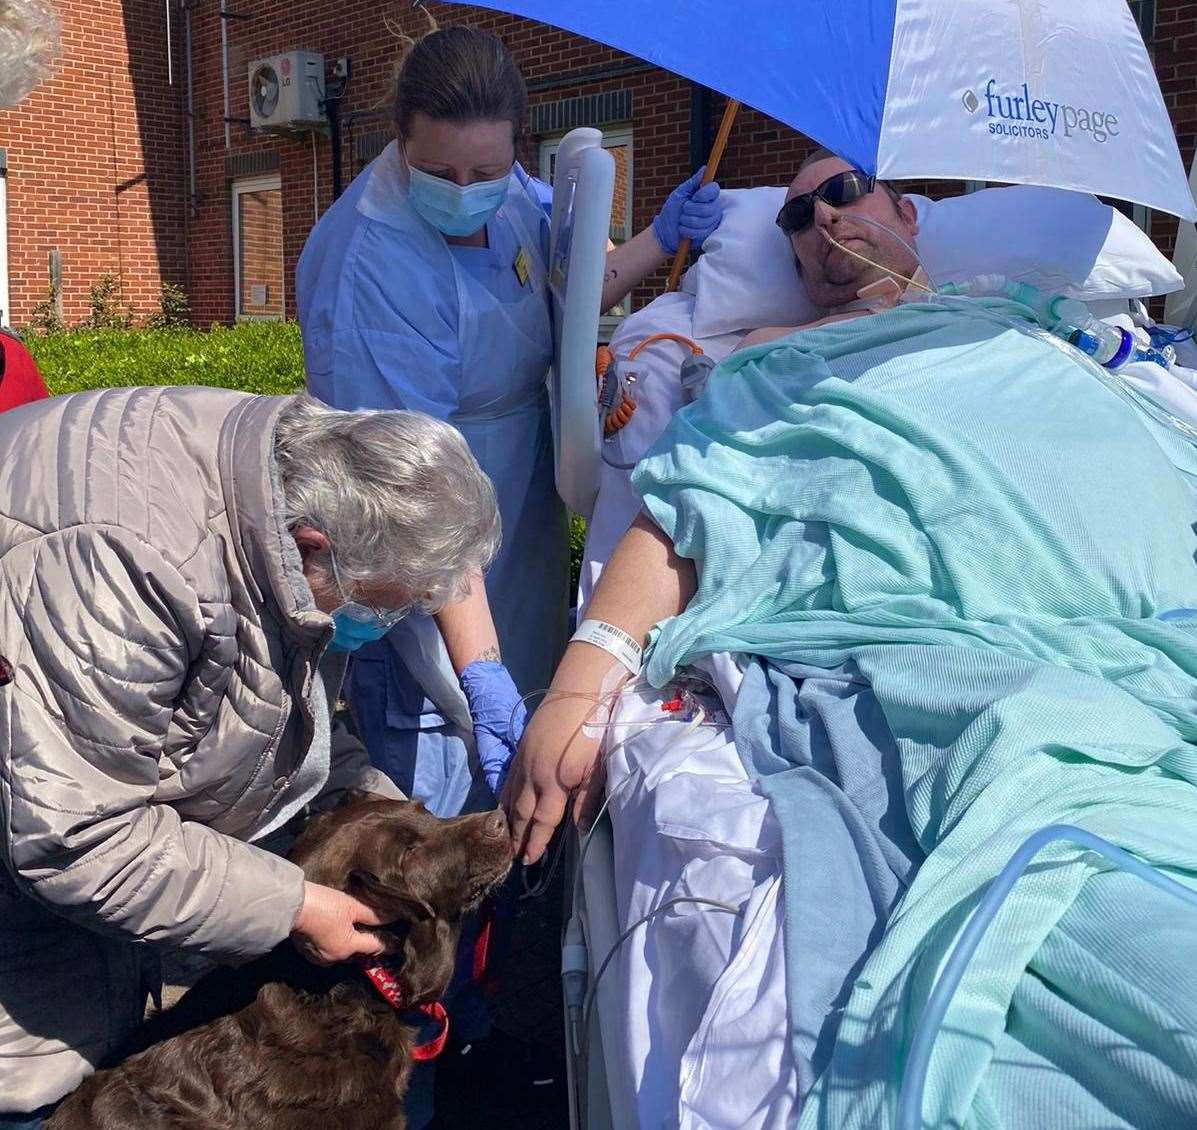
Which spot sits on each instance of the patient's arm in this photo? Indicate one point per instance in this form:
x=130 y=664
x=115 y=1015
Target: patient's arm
x=772 y=333
x=766 y=333
x=644 y=582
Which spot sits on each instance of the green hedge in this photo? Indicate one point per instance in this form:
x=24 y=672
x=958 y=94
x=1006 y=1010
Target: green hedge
x=261 y=357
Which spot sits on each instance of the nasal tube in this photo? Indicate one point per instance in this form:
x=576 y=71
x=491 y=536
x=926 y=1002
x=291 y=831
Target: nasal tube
x=1110 y=346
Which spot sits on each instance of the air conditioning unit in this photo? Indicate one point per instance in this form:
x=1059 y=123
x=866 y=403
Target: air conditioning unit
x=286 y=91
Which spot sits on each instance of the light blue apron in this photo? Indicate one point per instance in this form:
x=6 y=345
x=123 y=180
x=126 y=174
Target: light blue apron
x=392 y=316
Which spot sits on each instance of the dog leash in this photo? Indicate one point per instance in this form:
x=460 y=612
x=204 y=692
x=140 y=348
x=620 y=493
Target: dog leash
x=388 y=987
x=478 y=971
x=390 y=990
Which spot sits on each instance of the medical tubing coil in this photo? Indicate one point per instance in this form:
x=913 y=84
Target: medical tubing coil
x=914 y=1077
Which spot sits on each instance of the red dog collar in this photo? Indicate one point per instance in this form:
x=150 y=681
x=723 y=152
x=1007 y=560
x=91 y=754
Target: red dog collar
x=390 y=990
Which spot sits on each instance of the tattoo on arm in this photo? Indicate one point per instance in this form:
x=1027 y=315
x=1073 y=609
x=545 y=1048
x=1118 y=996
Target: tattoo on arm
x=490 y=655
x=611 y=275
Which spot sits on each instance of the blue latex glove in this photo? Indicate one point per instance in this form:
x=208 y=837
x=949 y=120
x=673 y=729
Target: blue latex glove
x=499 y=717
x=692 y=212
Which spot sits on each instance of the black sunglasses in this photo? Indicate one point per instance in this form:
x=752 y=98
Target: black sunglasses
x=844 y=188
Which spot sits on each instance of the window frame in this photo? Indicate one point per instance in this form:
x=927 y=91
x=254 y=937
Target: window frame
x=612 y=139
x=238 y=188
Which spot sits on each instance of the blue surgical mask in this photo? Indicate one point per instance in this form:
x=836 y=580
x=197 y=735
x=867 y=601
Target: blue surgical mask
x=356 y=624
x=455 y=209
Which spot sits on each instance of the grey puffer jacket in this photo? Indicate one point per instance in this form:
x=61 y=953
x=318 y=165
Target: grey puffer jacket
x=165 y=706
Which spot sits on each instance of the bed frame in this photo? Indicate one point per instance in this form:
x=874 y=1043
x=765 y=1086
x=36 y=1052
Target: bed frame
x=592 y=1104
x=583 y=187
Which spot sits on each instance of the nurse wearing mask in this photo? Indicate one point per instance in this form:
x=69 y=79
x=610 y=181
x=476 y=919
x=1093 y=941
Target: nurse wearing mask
x=424 y=287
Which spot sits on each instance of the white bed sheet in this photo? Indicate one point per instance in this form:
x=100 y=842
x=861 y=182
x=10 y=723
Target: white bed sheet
x=702 y=1014
x=701 y=991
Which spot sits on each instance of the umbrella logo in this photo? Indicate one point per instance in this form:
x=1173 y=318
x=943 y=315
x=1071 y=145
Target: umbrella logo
x=1020 y=114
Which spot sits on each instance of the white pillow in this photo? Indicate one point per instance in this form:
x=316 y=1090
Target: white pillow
x=745 y=277
x=1058 y=241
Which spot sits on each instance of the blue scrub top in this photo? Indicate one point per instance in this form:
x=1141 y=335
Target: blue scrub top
x=393 y=316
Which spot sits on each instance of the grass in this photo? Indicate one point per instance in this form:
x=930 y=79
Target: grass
x=260 y=357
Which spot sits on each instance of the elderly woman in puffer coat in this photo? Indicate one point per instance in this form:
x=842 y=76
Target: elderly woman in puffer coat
x=172 y=565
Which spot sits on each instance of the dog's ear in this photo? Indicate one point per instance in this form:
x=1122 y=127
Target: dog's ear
x=390 y=901
x=429 y=956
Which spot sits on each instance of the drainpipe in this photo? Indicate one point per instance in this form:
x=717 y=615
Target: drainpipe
x=334 y=92
x=332 y=111
x=193 y=196
x=224 y=67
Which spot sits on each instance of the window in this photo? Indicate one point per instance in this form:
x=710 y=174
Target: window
x=617 y=142
x=258 y=249
x=1144 y=13
x=1139 y=214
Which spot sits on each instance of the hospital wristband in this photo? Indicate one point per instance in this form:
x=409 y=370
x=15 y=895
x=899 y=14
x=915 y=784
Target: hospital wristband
x=615 y=641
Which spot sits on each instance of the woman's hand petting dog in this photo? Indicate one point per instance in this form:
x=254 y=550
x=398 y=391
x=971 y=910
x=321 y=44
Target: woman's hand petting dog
x=327 y=927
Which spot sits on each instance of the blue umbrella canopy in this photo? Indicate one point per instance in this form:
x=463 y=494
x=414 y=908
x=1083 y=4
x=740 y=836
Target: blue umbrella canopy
x=1052 y=92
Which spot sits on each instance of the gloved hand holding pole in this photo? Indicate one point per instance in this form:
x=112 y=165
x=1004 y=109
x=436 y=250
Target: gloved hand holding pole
x=708 y=174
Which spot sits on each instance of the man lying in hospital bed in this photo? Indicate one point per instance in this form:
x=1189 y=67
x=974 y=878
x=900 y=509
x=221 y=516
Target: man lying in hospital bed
x=946 y=545
x=745 y=284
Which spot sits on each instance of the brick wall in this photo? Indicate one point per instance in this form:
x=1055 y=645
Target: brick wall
x=551 y=61
x=99 y=163
x=94 y=163
x=556 y=66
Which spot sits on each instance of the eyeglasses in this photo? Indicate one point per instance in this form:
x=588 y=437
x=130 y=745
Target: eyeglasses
x=358 y=610
x=844 y=188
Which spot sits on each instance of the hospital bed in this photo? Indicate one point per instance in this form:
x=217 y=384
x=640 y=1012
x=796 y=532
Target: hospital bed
x=674 y=963
x=615 y=1053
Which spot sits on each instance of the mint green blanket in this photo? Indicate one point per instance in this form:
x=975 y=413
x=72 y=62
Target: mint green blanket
x=987 y=532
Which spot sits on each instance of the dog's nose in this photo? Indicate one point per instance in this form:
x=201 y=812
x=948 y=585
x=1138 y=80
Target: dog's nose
x=496 y=824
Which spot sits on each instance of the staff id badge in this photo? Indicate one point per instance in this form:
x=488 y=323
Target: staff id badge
x=520 y=266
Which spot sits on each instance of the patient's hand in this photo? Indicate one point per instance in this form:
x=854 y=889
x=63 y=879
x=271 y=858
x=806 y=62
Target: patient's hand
x=555 y=758
x=644 y=582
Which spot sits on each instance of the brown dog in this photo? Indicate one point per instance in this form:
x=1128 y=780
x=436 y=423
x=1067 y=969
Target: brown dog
x=282 y=1044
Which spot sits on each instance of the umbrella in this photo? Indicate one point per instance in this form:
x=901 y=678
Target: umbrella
x=1050 y=92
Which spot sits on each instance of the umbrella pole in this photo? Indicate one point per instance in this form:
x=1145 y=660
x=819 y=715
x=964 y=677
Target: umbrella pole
x=683 y=248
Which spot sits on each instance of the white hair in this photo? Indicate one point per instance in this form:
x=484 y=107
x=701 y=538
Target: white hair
x=398 y=494
x=29 y=44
